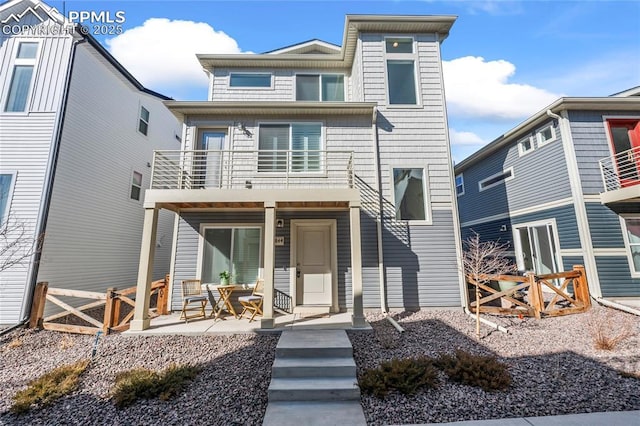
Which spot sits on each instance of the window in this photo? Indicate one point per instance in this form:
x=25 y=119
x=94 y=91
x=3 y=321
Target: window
x=459 y=185
x=402 y=83
x=496 y=179
x=546 y=135
x=232 y=249
x=290 y=147
x=323 y=87
x=136 y=186
x=409 y=192
x=250 y=80
x=20 y=86
x=624 y=137
x=632 y=237
x=143 y=123
x=525 y=145
x=7 y=181
x=399 y=45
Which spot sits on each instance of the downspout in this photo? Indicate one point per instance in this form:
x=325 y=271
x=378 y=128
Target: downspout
x=617 y=306
x=486 y=321
x=45 y=203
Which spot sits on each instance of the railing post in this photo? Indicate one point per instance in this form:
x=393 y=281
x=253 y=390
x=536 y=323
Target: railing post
x=535 y=296
x=163 y=296
x=37 y=305
x=581 y=286
x=153 y=169
x=109 y=310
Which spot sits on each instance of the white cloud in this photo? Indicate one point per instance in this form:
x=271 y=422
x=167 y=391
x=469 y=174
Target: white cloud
x=464 y=138
x=478 y=88
x=162 y=53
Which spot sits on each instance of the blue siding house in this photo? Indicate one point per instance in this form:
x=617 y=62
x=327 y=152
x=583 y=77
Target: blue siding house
x=563 y=188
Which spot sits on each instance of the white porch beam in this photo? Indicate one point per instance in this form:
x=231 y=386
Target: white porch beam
x=141 y=319
x=269 y=263
x=357 y=319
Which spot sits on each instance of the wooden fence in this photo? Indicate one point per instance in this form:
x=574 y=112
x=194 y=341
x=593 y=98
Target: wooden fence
x=111 y=300
x=533 y=304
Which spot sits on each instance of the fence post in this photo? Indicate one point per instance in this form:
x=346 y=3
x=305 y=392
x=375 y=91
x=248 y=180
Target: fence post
x=535 y=296
x=581 y=287
x=109 y=310
x=163 y=295
x=37 y=304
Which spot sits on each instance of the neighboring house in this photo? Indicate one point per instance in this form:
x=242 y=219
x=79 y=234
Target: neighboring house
x=563 y=188
x=77 y=134
x=324 y=169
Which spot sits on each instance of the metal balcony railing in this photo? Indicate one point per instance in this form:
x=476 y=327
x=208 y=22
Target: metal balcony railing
x=621 y=170
x=211 y=169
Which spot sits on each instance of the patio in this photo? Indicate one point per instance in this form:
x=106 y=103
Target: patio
x=173 y=325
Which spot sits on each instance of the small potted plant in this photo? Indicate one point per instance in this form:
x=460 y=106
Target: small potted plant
x=224 y=277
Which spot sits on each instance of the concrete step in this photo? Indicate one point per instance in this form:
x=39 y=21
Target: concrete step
x=314 y=367
x=311 y=310
x=343 y=413
x=316 y=344
x=313 y=389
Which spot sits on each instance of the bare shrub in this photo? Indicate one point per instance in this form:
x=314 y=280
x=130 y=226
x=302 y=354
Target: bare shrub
x=607 y=329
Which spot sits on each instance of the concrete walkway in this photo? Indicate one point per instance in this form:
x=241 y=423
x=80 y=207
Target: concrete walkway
x=616 y=418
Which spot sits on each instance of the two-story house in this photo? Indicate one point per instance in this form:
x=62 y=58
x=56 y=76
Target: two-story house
x=77 y=134
x=323 y=169
x=563 y=188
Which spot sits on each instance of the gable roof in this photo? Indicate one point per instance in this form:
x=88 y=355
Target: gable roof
x=631 y=103
x=292 y=57
x=18 y=9
x=310 y=46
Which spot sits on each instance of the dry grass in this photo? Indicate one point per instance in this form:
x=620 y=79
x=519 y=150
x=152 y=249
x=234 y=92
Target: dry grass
x=608 y=329
x=66 y=342
x=15 y=343
x=49 y=387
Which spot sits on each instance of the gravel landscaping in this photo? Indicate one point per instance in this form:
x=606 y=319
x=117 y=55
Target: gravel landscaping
x=553 y=363
x=231 y=389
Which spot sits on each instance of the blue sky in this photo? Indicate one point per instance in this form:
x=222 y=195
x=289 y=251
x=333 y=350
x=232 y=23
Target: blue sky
x=503 y=60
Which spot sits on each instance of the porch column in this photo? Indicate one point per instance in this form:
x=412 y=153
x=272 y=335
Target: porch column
x=141 y=319
x=269 y=263
x=357 y=319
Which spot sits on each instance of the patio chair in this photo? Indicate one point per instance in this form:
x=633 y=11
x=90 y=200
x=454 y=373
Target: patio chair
x=253 y=303
x=192 y=293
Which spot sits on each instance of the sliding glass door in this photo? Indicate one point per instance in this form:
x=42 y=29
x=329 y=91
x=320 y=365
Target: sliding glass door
x=232 y=249
x=536 y=248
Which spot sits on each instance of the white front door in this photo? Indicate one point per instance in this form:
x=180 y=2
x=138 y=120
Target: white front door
x=313 y=265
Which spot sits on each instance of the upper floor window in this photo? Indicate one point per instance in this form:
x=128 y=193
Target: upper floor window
x=136 y=186
x=7 y=181
x=292 y=147
x=410 y=194
x=496 y=179
x=250 y=80
x=459 y=185
x=401 y=71
x=399 y=45
x=21 y=80
x=545 y=135
x=525 y=145
x=143 y=122
x=320 y=87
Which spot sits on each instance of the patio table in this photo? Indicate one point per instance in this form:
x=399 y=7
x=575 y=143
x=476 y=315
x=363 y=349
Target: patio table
x=224 y=302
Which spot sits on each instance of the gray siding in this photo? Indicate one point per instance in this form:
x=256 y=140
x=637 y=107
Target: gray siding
x=94 y=229
x=604 y=226
x=569 y=261
x=591 y=145
x=565 y=217
x=615 y=277
x=188 y=240
x=540 y=177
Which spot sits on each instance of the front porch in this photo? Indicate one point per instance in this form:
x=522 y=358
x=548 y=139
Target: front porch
x=173 y=325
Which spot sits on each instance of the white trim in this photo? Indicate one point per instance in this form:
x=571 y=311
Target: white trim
x=521 y=150
x=500 y=182
x=319 y=74
x=12 y=185
x=610 y=252
x=294 y=224
x=592 y=198
x=455 y=184
x=571 y=252
x=34 y=62
x=528 y=210
x=243 y=225
x=271 y=81
x=428 y=220
x=518 y=243
x=554 y=137
x=627 y=243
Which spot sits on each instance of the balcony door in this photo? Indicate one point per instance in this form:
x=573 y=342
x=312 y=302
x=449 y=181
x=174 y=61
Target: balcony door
x=536 y=248
x=210 y=160
x=625 y=143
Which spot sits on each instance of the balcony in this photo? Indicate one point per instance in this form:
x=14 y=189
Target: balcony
x=621 y=176
x=251 y=179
